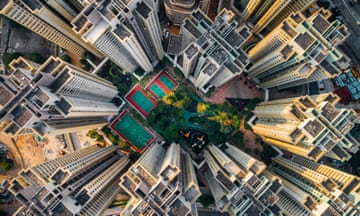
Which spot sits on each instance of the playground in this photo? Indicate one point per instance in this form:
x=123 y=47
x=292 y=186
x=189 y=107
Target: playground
x=142 y=102
x=130 y=130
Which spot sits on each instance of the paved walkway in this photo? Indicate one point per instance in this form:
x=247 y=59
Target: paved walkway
x=239 y=87
x=250 y=140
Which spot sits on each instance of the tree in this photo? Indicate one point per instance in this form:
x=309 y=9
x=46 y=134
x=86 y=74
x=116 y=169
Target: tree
x=66 y=58
x=206 y=200
x=257 y=151
x=35 y=57
x=323 y=3
x=8 y=57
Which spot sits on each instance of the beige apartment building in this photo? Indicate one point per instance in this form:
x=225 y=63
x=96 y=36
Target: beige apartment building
x=299 y=50
x=35 y=16
x=128 y=32
x=79 y=183
x=309 y=126
x=161 y=182
x=57 y=98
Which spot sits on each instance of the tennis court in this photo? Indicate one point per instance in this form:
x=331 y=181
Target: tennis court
x=129 y=129
x=140 y=101
x=161 y=85
x=164 y=78
x=155 y=88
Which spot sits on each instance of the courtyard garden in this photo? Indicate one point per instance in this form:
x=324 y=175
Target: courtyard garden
x=183 y=110
x=113 y=73
x=178 y=113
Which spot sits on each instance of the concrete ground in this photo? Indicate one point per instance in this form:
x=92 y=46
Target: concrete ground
x=24 y=41
x=250 y=140
x=239 y=87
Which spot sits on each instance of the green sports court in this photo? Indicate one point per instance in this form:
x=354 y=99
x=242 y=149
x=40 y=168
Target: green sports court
x=143 y=103
x=161 y=85
x=129 y=129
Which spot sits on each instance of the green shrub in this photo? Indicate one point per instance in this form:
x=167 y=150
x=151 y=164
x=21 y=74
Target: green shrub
x=66 y=58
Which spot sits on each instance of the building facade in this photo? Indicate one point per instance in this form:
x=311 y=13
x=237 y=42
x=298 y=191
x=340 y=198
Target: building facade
x=80 y=183
x=270 y=13
x=56 y=98
x=315 y=189
x=178 y=10
x=161 y=182
x=309 y=126
x=37 y=17
x=298 y=51
x=212 y=53
x=128 y=32
x=237 y=183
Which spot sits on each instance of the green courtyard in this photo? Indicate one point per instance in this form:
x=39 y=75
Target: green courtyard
x=184 y=109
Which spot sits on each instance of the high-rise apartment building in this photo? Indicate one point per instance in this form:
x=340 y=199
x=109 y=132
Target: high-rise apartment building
x=80 y=183
x=161 y=182
x=37 y=17
x=300 y=50
x=269 y=13
x=26 y=64
x=68 y=9
x=212 y=53
x=178 y=10
x=128 y=32
x=56 y=98
x=309 y=126
x=310 y=188
x=237 y=184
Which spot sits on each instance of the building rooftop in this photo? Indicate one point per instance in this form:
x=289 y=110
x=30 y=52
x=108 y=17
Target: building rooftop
x=210 y=69
x=296 y=17
x=219 y=55
x=191 y=50
x=32 y=4
x=339 y=152
x=5 y=95
x=232 y=67
x=329 y=68
x=315 y=153
x=313 y=127
x=320 y=23
x=288 y=29
x=3 y=3
x=38 y=96
x=122 y=32
x=192 y=29
x=329 y=112
x=304 y=40
x=244 y=32
x=286 y=51
x=173 y=47
x=199 y=16
x=21 y=115
x=79 y=22
x=50 y=66
x=234 y=39
x=143 y=10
